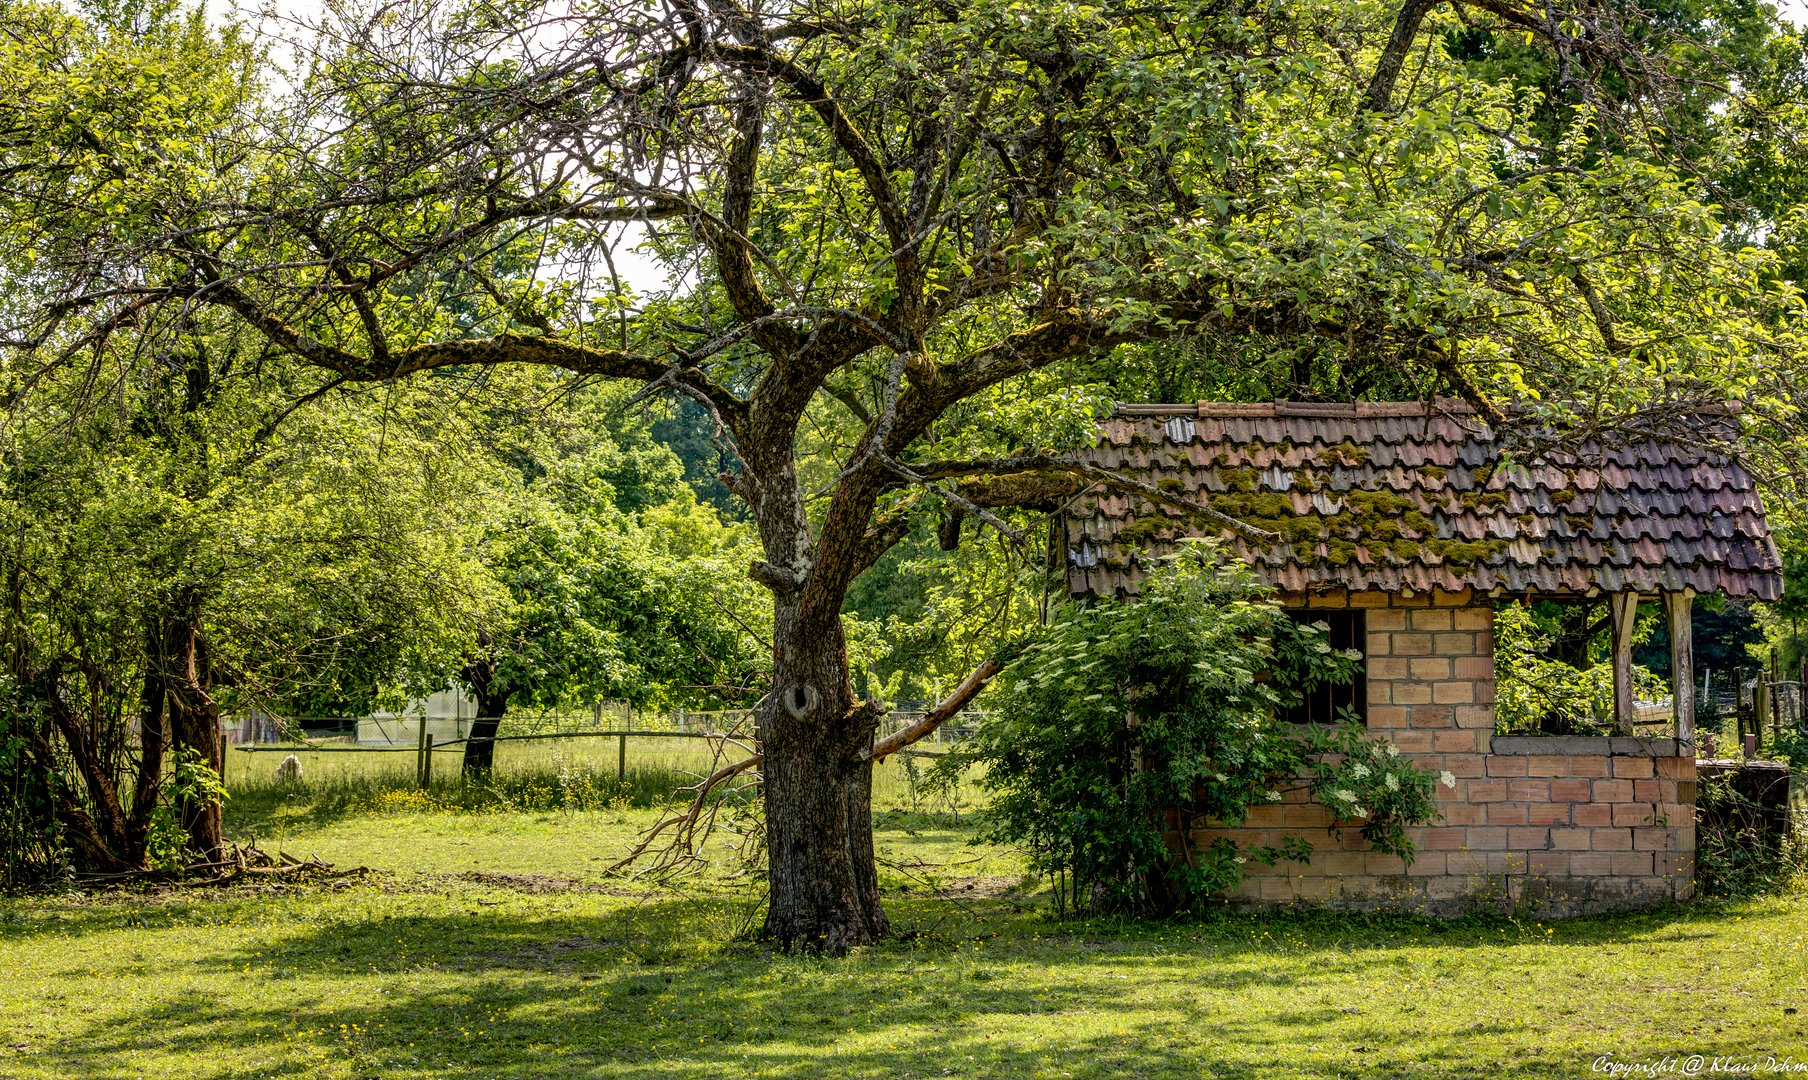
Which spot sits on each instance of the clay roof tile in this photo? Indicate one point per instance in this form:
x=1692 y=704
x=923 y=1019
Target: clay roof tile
x=1573 y=519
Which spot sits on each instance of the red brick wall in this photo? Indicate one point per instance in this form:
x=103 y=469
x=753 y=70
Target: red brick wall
x=1550 y=826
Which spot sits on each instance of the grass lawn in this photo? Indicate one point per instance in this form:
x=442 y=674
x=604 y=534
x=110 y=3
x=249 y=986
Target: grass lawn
x=490 y=944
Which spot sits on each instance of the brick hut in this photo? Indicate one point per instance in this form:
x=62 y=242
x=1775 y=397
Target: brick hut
x=1401 y=525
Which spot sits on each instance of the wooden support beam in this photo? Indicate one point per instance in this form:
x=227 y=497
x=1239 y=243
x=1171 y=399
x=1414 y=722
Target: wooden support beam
x=1678 y=606
x=1625 y=617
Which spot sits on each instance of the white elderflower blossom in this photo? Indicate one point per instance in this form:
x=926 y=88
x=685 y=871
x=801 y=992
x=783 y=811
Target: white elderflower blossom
x=1359 y=771
x=1392 y=750
x=1446 y=778
x=1392 y=781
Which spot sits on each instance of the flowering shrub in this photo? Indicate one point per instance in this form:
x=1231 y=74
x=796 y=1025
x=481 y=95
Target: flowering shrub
x=1125 y=726
x=1366 y=780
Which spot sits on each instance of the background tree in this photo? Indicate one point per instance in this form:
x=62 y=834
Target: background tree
x=175 y=554
x=902 y=212
x=620 y=584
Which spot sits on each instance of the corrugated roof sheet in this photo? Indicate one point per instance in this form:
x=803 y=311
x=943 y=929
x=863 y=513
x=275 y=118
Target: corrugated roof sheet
x=1396 y=495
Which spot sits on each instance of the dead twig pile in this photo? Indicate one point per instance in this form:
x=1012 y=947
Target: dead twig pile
x=239 y=863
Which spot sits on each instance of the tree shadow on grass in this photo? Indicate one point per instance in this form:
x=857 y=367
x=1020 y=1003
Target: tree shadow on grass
x=566 y=996
x=915 y=914
x=649 y=990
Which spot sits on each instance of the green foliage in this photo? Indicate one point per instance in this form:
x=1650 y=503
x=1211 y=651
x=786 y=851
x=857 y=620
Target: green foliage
x=193 y=780
x=923 y=618
x=1364 y=779
x=1213 y=175
x=166 y=845
x=1735 y=854
x=1723 y=634
x=31 y=836
x=1534 y=693
x=931 y=615
x=620 y=582
x=1123 y=724
x=1791 y=745
x=191 y=783
x=1781 y=622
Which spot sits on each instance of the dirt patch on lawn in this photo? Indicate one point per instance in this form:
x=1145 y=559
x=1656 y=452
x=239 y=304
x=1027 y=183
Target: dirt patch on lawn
x=980 y=888
x=538 y=884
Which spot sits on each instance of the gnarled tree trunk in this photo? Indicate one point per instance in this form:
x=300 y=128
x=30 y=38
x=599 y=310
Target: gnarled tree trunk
x=818 y=792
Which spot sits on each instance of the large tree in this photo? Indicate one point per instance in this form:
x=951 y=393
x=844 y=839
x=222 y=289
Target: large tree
x=897 y=214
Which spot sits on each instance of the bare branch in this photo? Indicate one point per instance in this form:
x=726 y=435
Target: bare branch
x=1042 y=463
x=944 y=711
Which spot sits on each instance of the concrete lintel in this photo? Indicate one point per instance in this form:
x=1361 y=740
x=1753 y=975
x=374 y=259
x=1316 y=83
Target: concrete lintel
x=1603 y=745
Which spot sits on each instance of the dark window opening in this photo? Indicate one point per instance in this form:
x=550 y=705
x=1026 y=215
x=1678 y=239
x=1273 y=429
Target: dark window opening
x=1348 y=629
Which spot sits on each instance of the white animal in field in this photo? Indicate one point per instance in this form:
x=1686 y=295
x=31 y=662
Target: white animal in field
x=289 y=771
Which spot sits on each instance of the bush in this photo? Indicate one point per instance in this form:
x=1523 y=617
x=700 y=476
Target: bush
x=1744 y=848
x=1124 y=726
x=32 y=846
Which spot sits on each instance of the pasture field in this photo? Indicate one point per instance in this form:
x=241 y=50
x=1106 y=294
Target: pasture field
x=491 y=944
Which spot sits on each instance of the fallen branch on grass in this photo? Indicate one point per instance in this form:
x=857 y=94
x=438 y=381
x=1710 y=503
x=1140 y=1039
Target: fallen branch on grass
x=686 y=820
x=239 y=863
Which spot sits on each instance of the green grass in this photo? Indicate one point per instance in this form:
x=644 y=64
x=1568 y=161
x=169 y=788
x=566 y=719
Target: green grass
x=576 y=774
x=490 y=945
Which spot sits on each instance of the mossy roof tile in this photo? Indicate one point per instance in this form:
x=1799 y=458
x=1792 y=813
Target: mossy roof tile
x=1395 y=495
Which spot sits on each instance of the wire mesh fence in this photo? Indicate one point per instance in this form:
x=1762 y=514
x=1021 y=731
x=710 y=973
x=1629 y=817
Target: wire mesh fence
x=601 y=746
x=605 y=719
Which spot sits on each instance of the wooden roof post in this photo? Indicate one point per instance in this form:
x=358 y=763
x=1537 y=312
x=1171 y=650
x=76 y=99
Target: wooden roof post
x=1678 y=606
x=1625 y=617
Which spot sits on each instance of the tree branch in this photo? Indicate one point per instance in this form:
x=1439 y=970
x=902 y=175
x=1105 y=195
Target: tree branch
x=500 y=349
x=944 y=710
x=1393 y=57
x=1042 y=463
x=729 y=240
x=809 y=90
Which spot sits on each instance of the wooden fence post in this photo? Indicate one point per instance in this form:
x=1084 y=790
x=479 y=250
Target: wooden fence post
x=1624 y=607
x=1761 y=696
x=420 y=755
x=621 y=750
